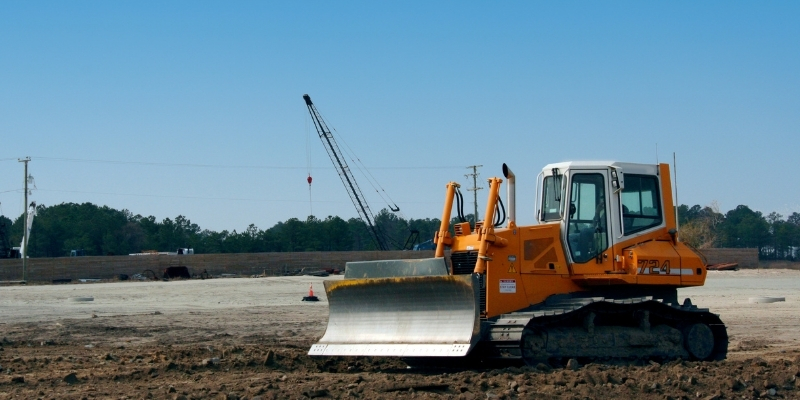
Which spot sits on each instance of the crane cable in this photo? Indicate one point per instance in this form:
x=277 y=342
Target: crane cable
x=308 y=165
x=348 y=152
x=366 y=173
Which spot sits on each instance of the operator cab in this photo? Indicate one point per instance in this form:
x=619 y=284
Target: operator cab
x=598 y=206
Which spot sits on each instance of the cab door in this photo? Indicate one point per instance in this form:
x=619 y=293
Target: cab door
x=587 y=234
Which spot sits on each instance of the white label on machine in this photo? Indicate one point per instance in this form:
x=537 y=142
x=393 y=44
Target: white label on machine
x=508 y=286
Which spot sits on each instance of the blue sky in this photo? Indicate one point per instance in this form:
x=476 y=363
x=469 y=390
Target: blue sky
x=195 y=108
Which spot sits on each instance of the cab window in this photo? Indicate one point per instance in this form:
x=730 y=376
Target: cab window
x=641 y=203
x=587 y=234
x=551 y=208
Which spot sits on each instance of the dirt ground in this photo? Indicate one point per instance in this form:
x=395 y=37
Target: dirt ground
x=247 y=338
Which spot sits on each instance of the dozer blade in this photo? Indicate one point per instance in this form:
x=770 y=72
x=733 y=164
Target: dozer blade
x=408 y=316
x=395 y=268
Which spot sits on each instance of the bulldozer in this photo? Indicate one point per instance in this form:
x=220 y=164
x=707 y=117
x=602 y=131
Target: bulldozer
x=595 y=278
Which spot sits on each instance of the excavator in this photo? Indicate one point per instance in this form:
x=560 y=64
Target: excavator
x=595 y=278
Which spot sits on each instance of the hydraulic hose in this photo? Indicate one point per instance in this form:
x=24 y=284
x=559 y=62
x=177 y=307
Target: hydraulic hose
x=499 y=221
x=460 y=206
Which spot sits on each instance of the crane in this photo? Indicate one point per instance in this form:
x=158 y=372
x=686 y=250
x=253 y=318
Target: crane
x=349 y=181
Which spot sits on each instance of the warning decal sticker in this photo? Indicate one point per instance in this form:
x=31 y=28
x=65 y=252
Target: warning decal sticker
x=508 y=286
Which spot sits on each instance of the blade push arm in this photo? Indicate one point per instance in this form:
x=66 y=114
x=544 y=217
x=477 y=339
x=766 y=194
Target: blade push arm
x=486 y=232
x=442 y=237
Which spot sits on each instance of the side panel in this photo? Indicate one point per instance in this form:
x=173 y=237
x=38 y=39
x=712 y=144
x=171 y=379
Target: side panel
x=690 y=260
x=505 y=291
x=542 y=250
x=544 y=266
x=656 y=263
x=529 y=269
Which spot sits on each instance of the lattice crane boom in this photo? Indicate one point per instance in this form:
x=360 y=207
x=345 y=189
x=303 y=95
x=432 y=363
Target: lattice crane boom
x=345 y=174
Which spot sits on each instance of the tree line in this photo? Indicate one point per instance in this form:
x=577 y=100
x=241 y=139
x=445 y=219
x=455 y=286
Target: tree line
x=59 y=229
x=776 y=237
x=101 y=230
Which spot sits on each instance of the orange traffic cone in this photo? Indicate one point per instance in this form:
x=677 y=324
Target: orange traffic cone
x=311 y=296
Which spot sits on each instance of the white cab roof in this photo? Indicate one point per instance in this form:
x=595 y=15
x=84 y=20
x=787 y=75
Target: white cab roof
x=633 y=168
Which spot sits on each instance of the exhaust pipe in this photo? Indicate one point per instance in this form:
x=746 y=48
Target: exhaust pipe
x=512 y=195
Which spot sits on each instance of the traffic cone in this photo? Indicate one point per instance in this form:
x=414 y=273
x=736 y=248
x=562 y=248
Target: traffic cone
x=311 y=296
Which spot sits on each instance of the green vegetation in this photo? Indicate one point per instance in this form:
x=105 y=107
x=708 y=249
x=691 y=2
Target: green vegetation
x=776 y=238
x=105 y=231
x=102 y=231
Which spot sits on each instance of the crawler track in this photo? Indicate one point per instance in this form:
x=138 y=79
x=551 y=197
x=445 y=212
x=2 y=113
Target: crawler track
x=601 y=329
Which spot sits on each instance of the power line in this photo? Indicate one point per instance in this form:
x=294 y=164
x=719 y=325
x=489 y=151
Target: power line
x=177 y=197
x=163 y=164
x=200 y=197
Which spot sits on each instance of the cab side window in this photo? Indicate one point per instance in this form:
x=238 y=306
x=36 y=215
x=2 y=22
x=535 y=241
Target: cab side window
x=551 y=208
x=641 y=203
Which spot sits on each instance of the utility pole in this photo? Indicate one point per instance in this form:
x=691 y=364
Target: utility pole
x=25 y=224
x=474 y=189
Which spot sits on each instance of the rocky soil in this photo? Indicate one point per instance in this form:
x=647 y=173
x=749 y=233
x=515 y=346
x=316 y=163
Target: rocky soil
x=266 y=368
x=258 y=351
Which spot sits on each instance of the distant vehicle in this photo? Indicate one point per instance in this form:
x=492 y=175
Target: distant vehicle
x=426 y=245
x=179 y=251
x=14 y=252
x=77 y=253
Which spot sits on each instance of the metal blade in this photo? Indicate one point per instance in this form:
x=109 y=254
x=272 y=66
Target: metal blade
x=395 y=268
x=421 y=316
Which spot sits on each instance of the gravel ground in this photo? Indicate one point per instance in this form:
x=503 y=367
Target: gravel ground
x=247 y=338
